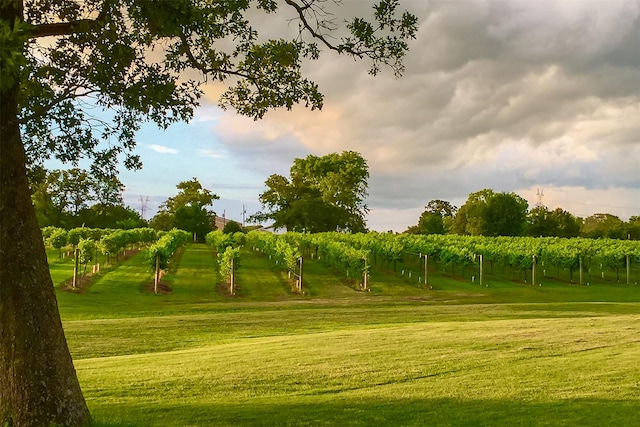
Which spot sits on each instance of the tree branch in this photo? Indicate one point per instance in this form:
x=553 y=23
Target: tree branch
x=66 y=95
x=206 y=70
x=67 y=28
x=301 y=14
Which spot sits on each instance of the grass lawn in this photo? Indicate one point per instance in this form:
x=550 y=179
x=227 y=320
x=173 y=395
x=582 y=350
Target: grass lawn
x=508 y=354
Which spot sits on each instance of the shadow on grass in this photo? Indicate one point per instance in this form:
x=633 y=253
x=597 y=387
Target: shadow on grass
x=372 y=412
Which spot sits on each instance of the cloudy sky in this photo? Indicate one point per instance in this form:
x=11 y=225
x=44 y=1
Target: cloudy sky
x=509 y=95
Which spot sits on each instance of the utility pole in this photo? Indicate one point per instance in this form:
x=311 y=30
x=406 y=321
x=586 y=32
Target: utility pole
x=244 y=213
x=540 y=194
x=144 y=205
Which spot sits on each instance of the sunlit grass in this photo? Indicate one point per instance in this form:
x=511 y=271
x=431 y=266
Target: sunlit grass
x=462 y=373
x=507 y=354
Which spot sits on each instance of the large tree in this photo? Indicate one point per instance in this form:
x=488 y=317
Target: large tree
x=559 y=223
x=489 y=213
x=470 y=217
x=437 y=218
x=321 y=194
x=603 y=225
x=60 y=60
x=188 y=210
x=633 y=227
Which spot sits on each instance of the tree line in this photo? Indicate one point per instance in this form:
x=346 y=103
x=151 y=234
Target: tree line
x=322 y=193
x=490 y=213
x=70 y=198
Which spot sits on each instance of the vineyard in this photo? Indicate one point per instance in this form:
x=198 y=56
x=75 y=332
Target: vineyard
x=378 y=263
x=263 y=329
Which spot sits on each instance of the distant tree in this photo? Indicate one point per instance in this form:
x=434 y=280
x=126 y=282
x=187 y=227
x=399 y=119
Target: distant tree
x=321 y=194
x=188 y=210
x=232 y=227
x=110 y=216
x=633 y=227
x=163 y=221
x=540 y=223
x=603 y=225
x=489 y=213
x=470 y=217
x=505 y=215
x=567 y=224
x=437 y=218
x=72 y=197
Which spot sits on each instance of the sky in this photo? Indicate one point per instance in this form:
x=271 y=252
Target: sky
x=518 y=96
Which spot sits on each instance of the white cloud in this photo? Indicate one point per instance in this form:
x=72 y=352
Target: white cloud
x=214 y=154
x=162 y=149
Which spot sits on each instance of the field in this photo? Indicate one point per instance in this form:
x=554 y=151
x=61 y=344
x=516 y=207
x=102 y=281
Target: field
x=509 y=353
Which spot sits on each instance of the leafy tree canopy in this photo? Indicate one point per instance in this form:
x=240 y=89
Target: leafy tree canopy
x=128 y=57
x=437 y=218
x=188 y=210
x=603 y=225
x=232 y=227
x=491 y=214
x=70 y=198
x=559 y=223
x=321 y=194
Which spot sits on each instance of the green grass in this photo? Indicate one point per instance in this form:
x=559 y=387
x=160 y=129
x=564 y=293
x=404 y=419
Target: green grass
x=61 y=268
x=507 y=354
x=522 y=372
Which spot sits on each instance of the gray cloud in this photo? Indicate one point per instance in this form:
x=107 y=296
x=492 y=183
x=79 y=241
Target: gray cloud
x=499 y=94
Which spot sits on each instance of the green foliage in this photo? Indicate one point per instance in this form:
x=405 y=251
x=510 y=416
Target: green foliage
x=559 y=223
x=489 y=213
x=75 y=234
x=13 y=36
x=187 y=210
x=603 y=225
x=322 y=194
x=159 y=254
x=277 y=247
x=114 y=241
x=104 y=54
x=226 y=263
x=220 y=240
x=232 y=227
x=70 y=198
x=87 y=250
x=437 y=218
x=505 y=215
x=58 y=238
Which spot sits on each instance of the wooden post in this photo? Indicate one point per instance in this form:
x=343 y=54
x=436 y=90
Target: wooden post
x=300 y=277
x=76 y=254
x=364 y=281
x=481 y=268
x=426 y=278
x=628 y=271
x=231 y=282
x=580 y=262
x=156 y=278
x=533 y=271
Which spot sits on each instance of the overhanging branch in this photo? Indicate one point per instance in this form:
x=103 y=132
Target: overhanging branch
x=67 y=28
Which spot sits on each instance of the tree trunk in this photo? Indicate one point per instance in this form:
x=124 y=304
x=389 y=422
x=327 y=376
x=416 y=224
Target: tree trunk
x=38 y=382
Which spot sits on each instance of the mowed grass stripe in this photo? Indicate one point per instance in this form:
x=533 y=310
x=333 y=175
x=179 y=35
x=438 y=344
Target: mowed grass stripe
x=111 y=337
x=416 y=372
x=259 y=279
x=196 y=276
